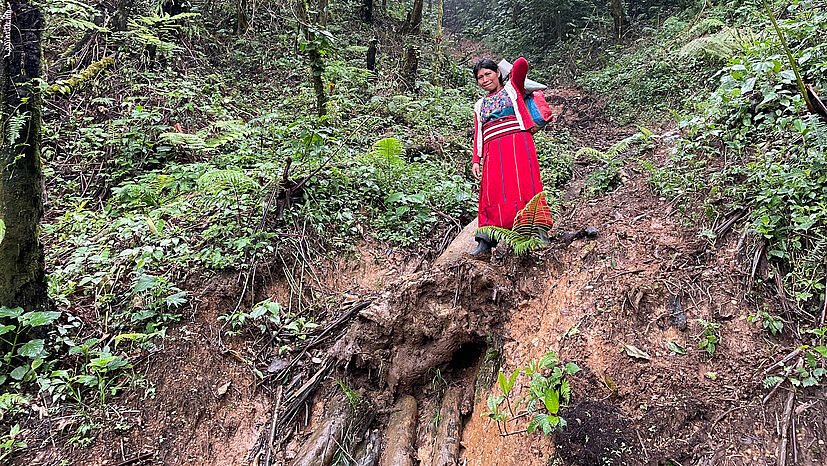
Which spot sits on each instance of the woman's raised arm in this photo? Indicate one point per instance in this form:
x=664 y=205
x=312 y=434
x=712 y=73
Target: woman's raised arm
x=518 y=74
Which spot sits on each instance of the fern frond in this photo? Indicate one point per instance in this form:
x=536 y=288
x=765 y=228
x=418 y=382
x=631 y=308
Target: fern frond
x=9 y=400
x=229 y=131
x=529 y=222
x=388 y=149
x=815 y=256
x=591 y=152
x=216 y=180
x=616 y=148
x=722 y=45
x=184 y=141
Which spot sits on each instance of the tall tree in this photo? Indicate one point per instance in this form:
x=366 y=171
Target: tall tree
x=618 y=16
x=414 y=21
x=314 y=42
x=22 y=275
x=366 y=11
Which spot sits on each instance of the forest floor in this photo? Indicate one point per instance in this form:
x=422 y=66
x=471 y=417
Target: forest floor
x=642 y=281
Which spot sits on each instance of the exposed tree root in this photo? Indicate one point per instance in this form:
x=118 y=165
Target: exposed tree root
x=401 y=434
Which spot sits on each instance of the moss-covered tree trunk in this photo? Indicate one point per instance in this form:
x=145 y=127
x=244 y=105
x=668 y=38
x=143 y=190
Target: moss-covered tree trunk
x=22 y=276
x=314 y=55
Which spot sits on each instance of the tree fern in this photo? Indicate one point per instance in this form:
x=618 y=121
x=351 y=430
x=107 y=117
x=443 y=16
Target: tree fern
x=529 y=223
x=217 y=180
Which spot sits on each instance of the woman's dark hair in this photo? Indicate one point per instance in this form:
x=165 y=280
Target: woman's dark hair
x=488 y=65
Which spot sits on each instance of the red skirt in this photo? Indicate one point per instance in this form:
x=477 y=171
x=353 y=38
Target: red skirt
x=510 y=173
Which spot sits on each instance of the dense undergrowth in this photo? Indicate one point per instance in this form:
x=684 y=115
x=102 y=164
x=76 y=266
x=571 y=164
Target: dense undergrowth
x=176 y=149
x=752 y=146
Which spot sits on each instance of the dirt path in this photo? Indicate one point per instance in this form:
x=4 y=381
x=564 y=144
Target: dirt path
x=592 y=298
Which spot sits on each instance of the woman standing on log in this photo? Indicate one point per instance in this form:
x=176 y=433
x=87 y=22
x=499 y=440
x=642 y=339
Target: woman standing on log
x=510 y=173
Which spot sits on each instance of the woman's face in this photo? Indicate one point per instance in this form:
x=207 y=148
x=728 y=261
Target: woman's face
x=489 y=80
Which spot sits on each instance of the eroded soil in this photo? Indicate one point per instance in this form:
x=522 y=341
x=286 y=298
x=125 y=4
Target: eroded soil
x=584 y=301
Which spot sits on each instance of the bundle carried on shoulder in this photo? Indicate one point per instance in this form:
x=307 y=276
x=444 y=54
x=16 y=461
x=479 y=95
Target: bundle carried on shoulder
x=535 y=100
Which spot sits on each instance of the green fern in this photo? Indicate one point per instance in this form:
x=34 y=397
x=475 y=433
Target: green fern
x=228 y=131
x=15 y=126
x=217 y=180
x=184 y=141
x=388 y=150
x=9 y=400
x=721 y=45
x=621 y=146
x=533 y=219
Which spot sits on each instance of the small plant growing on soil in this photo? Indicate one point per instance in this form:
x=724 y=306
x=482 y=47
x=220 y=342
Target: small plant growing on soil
x=547 y=389
x=771 y=323
x=810 y=369
x=9 y=442
x=710 y=337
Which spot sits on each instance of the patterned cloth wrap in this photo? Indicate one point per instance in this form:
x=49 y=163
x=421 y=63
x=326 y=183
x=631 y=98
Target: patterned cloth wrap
x=496 y=105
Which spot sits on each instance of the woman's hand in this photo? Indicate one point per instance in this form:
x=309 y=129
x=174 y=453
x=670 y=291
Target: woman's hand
x=476 y=171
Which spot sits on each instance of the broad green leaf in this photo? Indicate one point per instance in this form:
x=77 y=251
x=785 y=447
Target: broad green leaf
x=145 y=282
x=36 y=319
x=549 y=360
x=552 y=401
x=6 y=328
x=532 y=426
x=513 y=379
x=177 y=299
x=547 y=424
x=494 y=402
x=675 y=348
x=19 y=372
x=11 y=312
x=572 y=368
x=2 y=230
x=32 y=349
x=503 y=382
x=809 y=382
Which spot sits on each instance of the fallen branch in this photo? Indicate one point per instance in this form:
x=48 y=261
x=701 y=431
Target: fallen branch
x=141 y=457
x=354 y=309
x=783 y=360
x=788 y=414
x=787 y=417
x=297 y=398
x=273 y=419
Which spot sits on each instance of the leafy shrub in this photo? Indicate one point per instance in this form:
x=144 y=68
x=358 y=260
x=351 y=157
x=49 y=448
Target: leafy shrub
x=749 y=146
